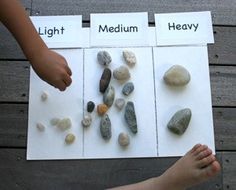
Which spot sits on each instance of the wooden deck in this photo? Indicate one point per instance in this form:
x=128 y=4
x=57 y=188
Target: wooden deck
x=17 y=173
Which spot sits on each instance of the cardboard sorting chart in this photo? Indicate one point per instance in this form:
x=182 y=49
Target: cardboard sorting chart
x=155 y=102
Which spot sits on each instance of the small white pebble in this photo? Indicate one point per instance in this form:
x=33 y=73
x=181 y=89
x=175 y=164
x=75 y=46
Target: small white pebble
x=40 y=127
x=54 y=121
x=87 y=120
x=64 y=124
x=70 y=138
x=44 y=96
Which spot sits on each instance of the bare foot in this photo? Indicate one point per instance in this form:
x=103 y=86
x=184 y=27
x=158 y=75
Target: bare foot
x=198 y=165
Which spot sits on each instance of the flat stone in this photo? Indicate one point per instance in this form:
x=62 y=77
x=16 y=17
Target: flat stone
x=180 y=121
x=105 y=80
x=104 y=58
x=128 y=88
x=40 y=127
x=123 y=139
x=109 y=96
x=119 y=103
x=105 y=127
x=87 y=120
x=70 y=138
x=129 y=57
x=64 y=124
x=90 y=106
x=102 y=109
x=121 y=73
x=54 y=121
x=177 y=76
x=44 y=96
x=130 y=117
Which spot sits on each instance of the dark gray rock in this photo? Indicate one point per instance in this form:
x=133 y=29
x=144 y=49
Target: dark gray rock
x=180 y=121
x=104 y=58
x=90 y=106
x=128 y=88
x=109 y=96
x=130 y=117
x=105 y=127
x=105 y=80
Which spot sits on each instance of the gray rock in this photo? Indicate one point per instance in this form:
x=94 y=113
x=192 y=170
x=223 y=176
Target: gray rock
x=105 y=127
x=54 y=121
x=64 y=124
x=129 y=57
x=87 y=120
x=130 y=117
x=180 y=121
x=105 y=80
x=177 y=76
x=40 y=127
x=123 y=139
x=128 y=88
x=109 y=96
x=44 y=96
x=104 y=58
x=119 y=103
x=121 y=73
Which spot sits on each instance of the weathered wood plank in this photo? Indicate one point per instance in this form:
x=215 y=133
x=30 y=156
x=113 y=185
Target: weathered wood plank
x=17 y=173
x=223 y=11
x=9 y=49
x=14 y=83
x=14 y=122
x=229 y=170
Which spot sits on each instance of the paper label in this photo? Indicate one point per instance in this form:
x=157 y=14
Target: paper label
x=184 y=28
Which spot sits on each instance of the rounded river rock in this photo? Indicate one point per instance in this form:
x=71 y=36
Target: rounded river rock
x=90 y=106
x=109 y=96
x=123 y=139
x=121 y=73
x=129 y=57
x=128 y=88
x=104 y=58
x=130 y=117
x=105 y=127
x=105 y=80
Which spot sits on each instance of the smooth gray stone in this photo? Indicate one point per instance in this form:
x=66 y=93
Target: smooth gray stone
x=123 y=139
x=128 y=88
x=104 y=58
x=121 y=73
x=119 y=103
x=105 y=80
x=180 y=121
x=177 y=75
x=130 y=117
x=109 y=96
x=105 y=127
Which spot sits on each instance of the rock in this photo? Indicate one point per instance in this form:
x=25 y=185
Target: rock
x=64 y=124
x=87 y=120
x=129 y=57
x=119 y=103
x=109 y=96
x=180 y=121
x=104 y=58
x=102 y=109
x=105 y=80
x=128 y=88
x=121 y=73
x=130 y=117
x=90 y=106
x=177 y=76
x=70 y=138
x=123 y=139
x=105 y=127
x=54 y=121
x=44 y=96
x=40 y=127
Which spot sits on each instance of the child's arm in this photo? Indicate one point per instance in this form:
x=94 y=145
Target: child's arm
x=50 y=66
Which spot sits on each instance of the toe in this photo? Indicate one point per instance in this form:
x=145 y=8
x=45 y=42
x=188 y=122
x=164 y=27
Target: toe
x=204 y=154
x=195 y=148
x=206 y=161
x=212 y=169
x=199 y=149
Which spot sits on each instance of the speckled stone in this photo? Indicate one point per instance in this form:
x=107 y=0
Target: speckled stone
x=102 y=109
x=129 y=58
x=119 y=103
x=121 y=73
x=105 y=127
x=90 y=106
x=123 y=139
x=109 y=96
x=87 y=120
x=70 y=138
x=130 y=117
x=177 y=76
x=128 y=88
x=64 y=124
x=40 y=127
x=54 y=121
x=44 y=96
x=180 y=121
x=105 y=80
x=104 y=58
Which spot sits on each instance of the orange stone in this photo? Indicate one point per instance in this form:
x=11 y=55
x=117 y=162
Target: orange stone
x=102 y=109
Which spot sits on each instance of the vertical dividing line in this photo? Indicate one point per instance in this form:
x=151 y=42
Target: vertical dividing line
x=155 y=96
x=83 y=98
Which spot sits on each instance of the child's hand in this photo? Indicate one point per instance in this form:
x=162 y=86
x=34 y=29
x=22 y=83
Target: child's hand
x=52 y=68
